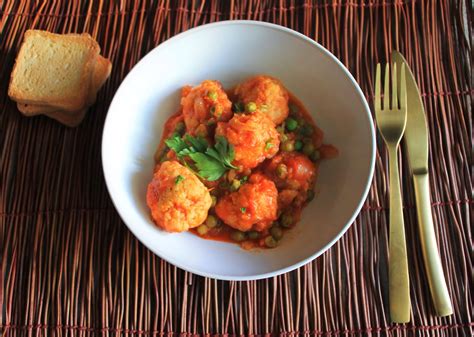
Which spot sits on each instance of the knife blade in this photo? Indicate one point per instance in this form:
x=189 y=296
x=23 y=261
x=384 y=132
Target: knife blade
x=416 y=131
x=416 y=142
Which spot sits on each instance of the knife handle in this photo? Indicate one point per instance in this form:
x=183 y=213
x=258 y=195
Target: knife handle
x=399 y=283
x=434 y=269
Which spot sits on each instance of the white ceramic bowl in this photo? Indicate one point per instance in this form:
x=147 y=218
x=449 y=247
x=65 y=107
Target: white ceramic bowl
x=230 y=52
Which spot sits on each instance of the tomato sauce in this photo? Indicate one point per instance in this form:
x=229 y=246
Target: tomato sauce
x=223 y=232
x=219 y=233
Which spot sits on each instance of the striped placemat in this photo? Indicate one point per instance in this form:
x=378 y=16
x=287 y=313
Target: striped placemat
x=69 y=266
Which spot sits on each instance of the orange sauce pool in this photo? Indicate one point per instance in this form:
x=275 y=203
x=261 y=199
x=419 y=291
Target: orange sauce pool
x=222 y=232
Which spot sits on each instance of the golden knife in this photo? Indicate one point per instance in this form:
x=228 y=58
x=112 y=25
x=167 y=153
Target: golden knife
x=416 y=141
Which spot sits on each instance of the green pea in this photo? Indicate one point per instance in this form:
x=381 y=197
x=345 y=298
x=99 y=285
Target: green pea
x=253 y=235
x=288 y=146
x=293 y=108
x=180 y=128
x=214 y=200
x=202 y=230
x=308 y=149
x=306 y=130
x=291 y=124
x=276 y=232
x=270 y=242
x=212 y=95
x=235 y=185
x=315 y=156
x=310 y=195
x=238 y=236
x=298 y=145
x=211 y=221
x=286 y=220
x=251 y=107
x=281 y=171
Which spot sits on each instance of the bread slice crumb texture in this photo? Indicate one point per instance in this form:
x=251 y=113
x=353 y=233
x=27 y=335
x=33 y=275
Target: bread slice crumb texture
x=53 y=69
x=101 y=72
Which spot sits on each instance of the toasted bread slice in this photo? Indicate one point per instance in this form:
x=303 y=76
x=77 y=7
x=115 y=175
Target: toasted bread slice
x=102 y=69
x=33 y=110
x=69 y=119
x=53 y=69
x=101 y=74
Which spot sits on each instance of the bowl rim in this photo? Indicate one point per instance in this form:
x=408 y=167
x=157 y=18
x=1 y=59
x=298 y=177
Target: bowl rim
x=356 y=211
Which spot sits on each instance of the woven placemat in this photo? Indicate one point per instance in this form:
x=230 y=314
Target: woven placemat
x=69 y=266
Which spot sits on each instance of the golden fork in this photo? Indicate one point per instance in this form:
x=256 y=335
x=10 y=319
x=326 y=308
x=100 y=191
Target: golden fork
x=391 y=123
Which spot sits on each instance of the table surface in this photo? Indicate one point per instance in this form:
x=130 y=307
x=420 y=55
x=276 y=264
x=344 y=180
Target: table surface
x=70 y=266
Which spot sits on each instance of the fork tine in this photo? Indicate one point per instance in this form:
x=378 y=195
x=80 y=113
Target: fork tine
x=386 y=91
x=377 y=99
x=394 y=87
x=403 y=89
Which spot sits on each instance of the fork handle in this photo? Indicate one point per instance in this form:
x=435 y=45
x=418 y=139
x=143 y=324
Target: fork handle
x=399 y=284
x=434 y=269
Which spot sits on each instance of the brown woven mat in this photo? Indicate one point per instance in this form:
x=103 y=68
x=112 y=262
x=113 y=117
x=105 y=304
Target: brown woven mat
x=69 y=266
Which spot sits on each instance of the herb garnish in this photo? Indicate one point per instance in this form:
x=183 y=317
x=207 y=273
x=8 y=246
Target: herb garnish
x=268 y=145
x=210 y=162
x=238 y=107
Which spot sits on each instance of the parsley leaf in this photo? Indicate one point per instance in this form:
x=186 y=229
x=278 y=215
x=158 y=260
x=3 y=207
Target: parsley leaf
x=225 y=151
x=210 y=162
x=208 y=168
x=268 y=145
x=238 y=107
x=184 y=147
x=199 y=143
x=178 y=179
x=186 y=152
x=176 y=144
x=243 y=209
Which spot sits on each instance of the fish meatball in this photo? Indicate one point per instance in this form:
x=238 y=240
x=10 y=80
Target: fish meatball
x=294 y=175
x=253 y=136
x=269 y=95
x=291 y=170
x=178 y=200
x=203 y=103
x=252 y=207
